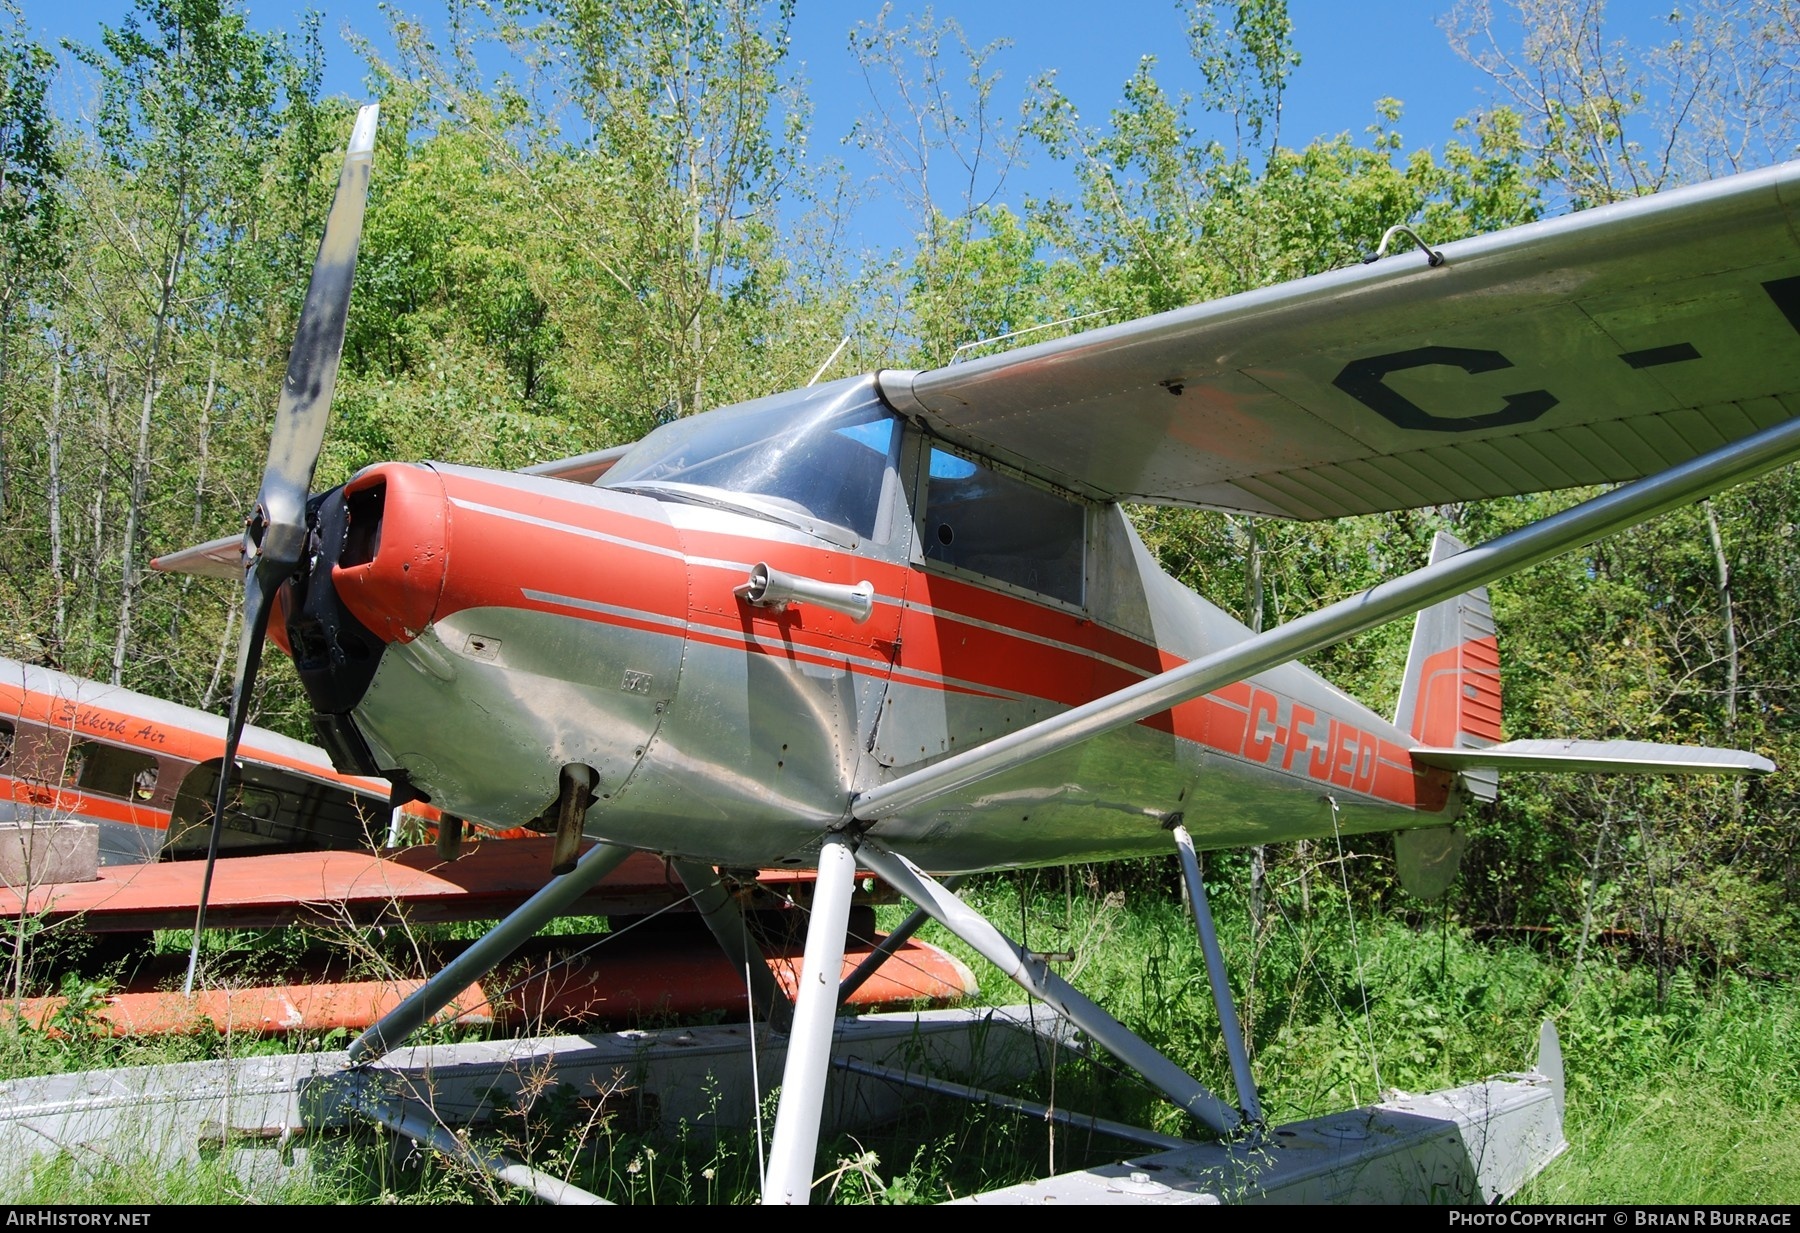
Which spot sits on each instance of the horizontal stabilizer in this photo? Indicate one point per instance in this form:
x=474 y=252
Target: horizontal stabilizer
x=1627 y=757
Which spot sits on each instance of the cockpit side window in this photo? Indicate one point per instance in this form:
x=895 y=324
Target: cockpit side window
x=123 y=773
x=1005 y=528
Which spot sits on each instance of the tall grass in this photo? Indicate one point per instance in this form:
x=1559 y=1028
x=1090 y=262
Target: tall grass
x=1691 y=1099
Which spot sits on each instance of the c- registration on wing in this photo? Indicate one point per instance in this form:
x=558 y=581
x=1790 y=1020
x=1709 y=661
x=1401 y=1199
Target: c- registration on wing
x=1597 y=347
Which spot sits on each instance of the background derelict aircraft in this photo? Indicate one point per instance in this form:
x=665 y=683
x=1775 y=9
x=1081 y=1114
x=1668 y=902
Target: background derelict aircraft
x=902 y=621
x=145 y=771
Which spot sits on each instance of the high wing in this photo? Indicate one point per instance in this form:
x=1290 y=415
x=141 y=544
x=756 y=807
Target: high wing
x=1597 y=347
x=224 y=557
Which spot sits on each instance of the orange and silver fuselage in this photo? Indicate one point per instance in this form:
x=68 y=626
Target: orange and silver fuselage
x=529 y=623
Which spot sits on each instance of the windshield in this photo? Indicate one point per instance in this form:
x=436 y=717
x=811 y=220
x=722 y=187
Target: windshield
x=820 y=455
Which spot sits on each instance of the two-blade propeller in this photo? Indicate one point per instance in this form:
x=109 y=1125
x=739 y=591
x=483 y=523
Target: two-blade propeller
x=276 y=533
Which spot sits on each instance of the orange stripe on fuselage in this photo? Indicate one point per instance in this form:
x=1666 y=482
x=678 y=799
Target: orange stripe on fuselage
x=69 y=803
x=161 y=736
x=1038 y=650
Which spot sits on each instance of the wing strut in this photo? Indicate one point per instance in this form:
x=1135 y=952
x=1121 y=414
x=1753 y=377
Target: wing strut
x=1031 y=973
x=1529 y=545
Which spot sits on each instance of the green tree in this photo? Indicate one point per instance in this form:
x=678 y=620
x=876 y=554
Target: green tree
x=171 y=314
x=1605 y=119
x=681 y=100
x=980 y=271
x=30 y=243
x=651 y=281
x=1681 y=630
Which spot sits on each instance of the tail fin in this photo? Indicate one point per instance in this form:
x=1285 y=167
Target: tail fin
x=1450 y=697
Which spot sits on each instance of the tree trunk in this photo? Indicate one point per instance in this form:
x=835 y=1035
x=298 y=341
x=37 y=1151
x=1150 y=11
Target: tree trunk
x=227 y=644
x=5 y=319
x=205 y=432
x=140 y=460
x=53 y=498
x=1259 y=868
x=1253 y=617
x=1593 y=887
x=1727 y=618
x=105 y=415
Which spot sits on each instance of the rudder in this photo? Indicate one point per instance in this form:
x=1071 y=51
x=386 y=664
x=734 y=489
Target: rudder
x=1450 y=696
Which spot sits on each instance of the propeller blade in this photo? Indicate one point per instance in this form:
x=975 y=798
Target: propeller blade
x=312 y=365
x=275 y=536
x=259 y=593
x=216 y=558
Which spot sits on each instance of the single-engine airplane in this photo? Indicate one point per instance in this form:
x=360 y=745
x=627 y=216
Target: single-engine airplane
x=902 y=621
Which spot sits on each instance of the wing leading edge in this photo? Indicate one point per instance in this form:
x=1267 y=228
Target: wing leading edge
x=1597 y=347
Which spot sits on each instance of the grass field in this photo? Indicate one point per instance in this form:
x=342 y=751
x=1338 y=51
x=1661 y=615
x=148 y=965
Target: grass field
x=1693 y=1100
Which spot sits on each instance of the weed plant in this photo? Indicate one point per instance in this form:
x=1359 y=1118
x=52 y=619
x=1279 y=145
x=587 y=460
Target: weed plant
x=65 y=1180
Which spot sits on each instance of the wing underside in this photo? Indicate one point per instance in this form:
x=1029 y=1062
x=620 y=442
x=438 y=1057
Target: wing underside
x=1598 y=347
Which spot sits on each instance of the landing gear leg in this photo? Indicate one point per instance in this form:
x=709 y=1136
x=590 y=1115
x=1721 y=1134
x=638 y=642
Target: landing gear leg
x=794 y=1152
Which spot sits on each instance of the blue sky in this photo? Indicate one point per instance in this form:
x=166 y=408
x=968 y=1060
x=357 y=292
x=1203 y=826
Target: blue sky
x=1351 y=55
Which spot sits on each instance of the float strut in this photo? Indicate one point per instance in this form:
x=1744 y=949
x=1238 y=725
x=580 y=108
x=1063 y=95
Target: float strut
x=769 y=1003
x=1216 y=977
x=492 y=950
x=884 y=950
x=1032 y=974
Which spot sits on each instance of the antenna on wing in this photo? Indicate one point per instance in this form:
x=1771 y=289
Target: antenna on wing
x=830 y=359
x=956 y=356
x=275 y=535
